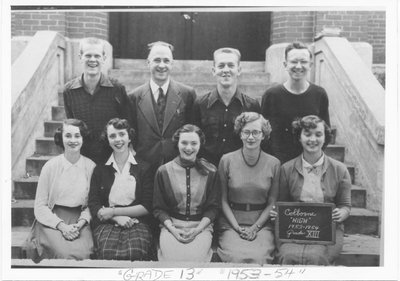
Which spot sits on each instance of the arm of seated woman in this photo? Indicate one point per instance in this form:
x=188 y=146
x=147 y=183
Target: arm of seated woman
x=193 y=232
x=125 y=221
x=179 y=234
x=69 y=232
x=340 y=214
x=105 y=214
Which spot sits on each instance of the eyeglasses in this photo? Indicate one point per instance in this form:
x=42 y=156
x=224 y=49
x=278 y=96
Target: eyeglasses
x=254 y=133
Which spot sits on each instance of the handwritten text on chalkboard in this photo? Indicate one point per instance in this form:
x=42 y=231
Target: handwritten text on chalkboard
x=305 y=222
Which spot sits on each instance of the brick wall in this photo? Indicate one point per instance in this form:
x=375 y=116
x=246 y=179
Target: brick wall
x=27 y=23
x=376 y=35
x=292 y=26
x=357 y=26
x=69 y=24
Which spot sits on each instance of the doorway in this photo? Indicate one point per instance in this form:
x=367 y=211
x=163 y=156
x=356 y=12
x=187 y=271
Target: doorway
x=194 y=35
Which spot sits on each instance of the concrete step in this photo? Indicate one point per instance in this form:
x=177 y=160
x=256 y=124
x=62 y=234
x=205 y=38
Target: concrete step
x=352 y=172
x=25 y=188
x=58 y=113
x=187 y=65
x=35 y=163
x=22 y=213
x=60 y=97
x=362 y=221
x=358 y=250
x=140 y=76
x=358 y=197
x=336 y=151
x=50 y=127
x=46 y=146
x=18 y=238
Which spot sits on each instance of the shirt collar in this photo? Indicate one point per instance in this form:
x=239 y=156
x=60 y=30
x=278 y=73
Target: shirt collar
x=111 y=161
x=104 y=82
x=154 y=87
x=214 y=96
x=66 y=164
x=320 y=161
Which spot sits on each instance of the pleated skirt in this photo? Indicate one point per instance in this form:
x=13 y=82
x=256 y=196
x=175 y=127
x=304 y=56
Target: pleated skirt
x=116 y=243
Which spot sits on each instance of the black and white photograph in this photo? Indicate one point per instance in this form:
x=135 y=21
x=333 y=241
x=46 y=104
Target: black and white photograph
x=203 y=141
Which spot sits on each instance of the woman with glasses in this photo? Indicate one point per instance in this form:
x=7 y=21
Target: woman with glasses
x=249 y=185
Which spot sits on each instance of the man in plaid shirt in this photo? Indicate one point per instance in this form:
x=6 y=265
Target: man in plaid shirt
x=95 y=99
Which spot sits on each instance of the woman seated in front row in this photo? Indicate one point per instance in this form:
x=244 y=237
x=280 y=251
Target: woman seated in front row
x=61 y=229
x=186 y=200
x=120 y=199
x=249 y=183
x=314 y=177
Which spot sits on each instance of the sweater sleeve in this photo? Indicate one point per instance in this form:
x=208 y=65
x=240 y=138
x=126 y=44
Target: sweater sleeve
x=85 y=214
x=343 y=194
x=94 y=201
x=324 y=108
x=147 y=180
x=212 y=203
x=160 y=207
x=284 y=191
x=67 y=105
x=274 y=190
x=42 y=211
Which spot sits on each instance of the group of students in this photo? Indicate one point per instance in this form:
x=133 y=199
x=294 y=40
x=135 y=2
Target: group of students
x=184 y=171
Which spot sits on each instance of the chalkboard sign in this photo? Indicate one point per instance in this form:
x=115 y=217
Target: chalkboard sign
x=305 y=223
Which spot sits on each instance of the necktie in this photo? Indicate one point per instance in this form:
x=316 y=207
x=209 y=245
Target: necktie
x=161 y=103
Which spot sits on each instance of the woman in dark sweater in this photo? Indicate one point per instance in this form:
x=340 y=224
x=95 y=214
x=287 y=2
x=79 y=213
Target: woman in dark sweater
x=186 y=200
x=295 y=98
x=120 y=199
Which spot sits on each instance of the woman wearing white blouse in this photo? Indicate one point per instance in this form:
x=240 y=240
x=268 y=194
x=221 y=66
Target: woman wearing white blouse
x=61 y=229
x=120 y=199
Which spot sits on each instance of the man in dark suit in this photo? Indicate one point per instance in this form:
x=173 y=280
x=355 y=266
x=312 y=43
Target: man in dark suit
x=160 y=107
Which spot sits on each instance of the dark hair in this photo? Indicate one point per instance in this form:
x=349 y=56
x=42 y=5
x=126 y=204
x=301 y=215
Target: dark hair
x=119 y=124
x=246 y=117
x=296 y=45
x=188 y=128
x=201 y=164
x=83 y=129
x=310 y=122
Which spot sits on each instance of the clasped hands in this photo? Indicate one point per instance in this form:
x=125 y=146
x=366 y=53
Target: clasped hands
x=247 y=232
x=70 y=231
x=184 y=235
x=105 y=214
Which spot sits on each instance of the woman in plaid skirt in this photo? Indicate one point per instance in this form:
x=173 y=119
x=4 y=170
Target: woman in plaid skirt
x=120 y=199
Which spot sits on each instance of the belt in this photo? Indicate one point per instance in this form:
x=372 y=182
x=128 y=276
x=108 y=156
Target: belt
x=247 y=207
x=197 y=217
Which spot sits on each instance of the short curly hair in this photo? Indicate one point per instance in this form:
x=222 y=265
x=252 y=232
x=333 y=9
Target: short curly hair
x=247 y=117
x=298 y=46
x=310 y=122
x=83 y=129
x=188 y=128
x=119 y=124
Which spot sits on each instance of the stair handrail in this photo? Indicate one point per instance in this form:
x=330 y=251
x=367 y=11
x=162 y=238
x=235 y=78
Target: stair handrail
x=357 y=108
x=36 y=76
